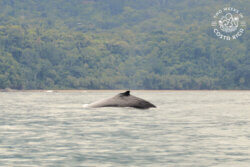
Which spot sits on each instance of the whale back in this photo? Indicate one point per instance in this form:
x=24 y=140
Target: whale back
x=127 y=93
x=123 y=100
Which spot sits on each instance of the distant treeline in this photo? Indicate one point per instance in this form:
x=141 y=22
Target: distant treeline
x=117 y=44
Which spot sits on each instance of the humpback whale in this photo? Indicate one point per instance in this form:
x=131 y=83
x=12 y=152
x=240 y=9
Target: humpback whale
x=123 y=100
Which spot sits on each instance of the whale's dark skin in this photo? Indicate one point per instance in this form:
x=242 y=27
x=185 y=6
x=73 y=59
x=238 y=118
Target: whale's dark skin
x=123 y=100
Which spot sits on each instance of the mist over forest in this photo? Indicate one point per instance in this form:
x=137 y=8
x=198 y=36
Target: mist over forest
x=120 y=44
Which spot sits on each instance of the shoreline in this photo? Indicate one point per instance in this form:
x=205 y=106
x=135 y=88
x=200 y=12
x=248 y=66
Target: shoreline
x=116 y=90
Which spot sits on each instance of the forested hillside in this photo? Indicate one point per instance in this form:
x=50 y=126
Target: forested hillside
x=120 y=44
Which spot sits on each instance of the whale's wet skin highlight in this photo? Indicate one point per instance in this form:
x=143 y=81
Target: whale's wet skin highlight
x=188 y=128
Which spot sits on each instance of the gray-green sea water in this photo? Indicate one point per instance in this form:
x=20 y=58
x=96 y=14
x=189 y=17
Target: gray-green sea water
x=188 y=128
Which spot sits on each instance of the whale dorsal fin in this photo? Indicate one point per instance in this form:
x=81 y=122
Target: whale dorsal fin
x=127 y=93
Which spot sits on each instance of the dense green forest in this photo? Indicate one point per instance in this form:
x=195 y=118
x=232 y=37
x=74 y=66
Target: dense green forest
x=120 y=44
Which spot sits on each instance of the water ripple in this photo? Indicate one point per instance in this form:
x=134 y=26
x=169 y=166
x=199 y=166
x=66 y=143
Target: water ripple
x=194 y=128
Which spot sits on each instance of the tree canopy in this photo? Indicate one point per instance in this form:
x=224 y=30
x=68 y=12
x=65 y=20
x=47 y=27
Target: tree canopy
x=117 y=44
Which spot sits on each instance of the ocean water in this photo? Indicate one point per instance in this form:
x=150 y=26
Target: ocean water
x=188 y=128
